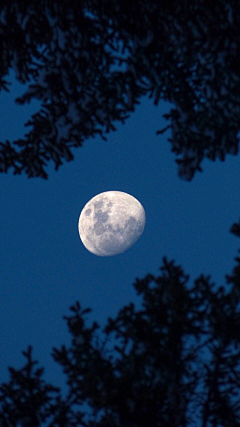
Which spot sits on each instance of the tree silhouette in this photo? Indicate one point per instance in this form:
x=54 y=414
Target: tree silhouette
x=175 y=362
x=90 y=62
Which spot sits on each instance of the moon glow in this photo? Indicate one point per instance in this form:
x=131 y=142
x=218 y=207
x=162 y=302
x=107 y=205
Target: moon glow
x=111 y=222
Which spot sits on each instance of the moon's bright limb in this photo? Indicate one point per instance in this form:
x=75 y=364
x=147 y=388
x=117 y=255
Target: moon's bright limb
x=111 y=222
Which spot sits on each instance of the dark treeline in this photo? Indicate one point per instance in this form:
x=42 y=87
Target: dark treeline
x=175 y=362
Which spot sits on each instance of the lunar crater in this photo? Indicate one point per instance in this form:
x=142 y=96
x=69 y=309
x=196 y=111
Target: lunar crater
x=98 y=204
x=99 y=228
x=101 y=216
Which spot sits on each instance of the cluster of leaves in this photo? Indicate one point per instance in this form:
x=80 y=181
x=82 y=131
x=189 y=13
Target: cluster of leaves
x=175 y=362
x=90 y=62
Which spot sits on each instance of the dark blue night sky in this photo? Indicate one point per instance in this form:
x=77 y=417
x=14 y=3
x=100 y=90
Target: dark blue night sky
x=44 y=266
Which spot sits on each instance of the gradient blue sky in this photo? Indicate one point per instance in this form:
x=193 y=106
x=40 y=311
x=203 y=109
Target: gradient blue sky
x=44 y=266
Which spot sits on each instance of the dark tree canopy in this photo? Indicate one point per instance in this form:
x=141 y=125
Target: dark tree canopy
x=90 y=62
x=175 y=362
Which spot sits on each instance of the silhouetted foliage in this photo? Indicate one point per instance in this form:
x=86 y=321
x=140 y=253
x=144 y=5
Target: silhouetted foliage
x=90 y=62
x=175 y=362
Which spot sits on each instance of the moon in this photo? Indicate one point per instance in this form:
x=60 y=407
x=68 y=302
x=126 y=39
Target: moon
x=111 y=222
